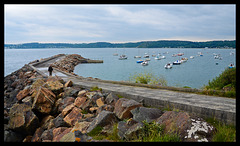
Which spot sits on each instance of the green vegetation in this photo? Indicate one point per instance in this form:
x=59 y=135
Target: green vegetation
x=143 y=44
x=98 y=134
x=148 y=78
x=119 y=96
x=96 y=88
x=152 y=132
x=223 y=85
x=224 y=133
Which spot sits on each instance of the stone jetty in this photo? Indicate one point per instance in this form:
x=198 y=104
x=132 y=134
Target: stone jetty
x=38 y=108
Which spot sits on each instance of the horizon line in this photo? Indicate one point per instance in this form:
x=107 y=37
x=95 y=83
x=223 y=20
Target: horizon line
x=122 y=42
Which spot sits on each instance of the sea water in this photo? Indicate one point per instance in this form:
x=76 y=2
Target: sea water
x=194 y=73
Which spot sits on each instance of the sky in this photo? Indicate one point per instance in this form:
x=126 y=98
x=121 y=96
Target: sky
x=118 y=23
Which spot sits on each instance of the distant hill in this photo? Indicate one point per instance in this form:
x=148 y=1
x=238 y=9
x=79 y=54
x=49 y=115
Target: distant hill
x=142 y=44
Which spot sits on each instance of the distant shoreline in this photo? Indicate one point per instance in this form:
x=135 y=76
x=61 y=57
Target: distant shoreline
x=225 y=44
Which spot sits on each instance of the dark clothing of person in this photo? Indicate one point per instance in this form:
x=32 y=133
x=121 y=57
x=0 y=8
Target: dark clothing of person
x=50 y=69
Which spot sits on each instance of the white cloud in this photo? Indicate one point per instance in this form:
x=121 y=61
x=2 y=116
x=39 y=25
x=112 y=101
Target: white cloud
x=117 y=23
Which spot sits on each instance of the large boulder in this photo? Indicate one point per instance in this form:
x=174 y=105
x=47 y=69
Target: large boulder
x=128 y=130
x=47 y=135
x=38 y=83
x=22 y=94
x=73 y=116
x=76 y=136
x=64 y=103
x=68 y=84
x=111 y=99
x=123 y=107
x=59 y=122
x=200 y=131
x=81 y=126
x=22 y=119
x=79 y=101
x=55 y=85
x=146 y=114
x=104 y=118
x=189 y=128
x=37 y=134
x=43 y=100
x=11 y=136
x=58 y=133
x=175 y=121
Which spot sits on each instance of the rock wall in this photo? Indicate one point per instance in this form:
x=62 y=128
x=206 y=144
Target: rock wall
x=50 y=110
x=68 y=63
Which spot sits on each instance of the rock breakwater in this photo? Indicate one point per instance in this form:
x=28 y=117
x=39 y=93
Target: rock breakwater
x=68 y=63
x=51 y=110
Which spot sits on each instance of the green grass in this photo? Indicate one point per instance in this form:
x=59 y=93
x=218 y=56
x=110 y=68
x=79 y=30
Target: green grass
x=96 y=88
x=152 y=132
x=148 y=78
x=96 y=133
x=223 y=133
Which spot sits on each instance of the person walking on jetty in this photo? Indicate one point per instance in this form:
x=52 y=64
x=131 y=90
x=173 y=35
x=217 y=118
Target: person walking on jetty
x=50 y=69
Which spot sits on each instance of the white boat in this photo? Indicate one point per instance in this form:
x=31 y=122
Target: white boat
x=144 y=63
x=191 y=57
x=123 y=57
x=146 y=55
x=231 y=65
x=137 y=56
x=231 y=53
x=165 y=53
x=184 y=59
x=174 y=55
x=178 y=62
x=157 y=58
x=180 y=54
x=168 y=66
x=216 y=57
x=200 y=53
x=148 y=59
x=163 y=57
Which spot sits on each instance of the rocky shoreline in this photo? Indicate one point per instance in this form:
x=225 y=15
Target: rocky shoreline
x=39 y=109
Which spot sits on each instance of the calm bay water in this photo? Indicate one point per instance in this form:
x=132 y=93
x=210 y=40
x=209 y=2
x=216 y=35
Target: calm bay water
x=194 y=73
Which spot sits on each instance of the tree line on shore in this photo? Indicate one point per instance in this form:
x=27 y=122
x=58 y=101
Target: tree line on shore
x=142 y=44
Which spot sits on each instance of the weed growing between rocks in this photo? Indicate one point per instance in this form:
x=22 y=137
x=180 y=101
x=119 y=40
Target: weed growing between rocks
x=148 y=78
x=152 y=132
x=224 y=133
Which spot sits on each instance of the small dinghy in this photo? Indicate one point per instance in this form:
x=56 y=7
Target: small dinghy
x=139 y=61
x=231 y=65
x=168 y=66
x=178 y=62
x=123 y=57
x=144 y=63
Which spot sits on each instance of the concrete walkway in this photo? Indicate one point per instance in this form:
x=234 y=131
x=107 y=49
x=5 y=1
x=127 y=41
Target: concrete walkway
x=223 y=109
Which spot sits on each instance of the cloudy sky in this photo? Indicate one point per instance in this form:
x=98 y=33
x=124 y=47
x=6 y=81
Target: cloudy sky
x=118 y=23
